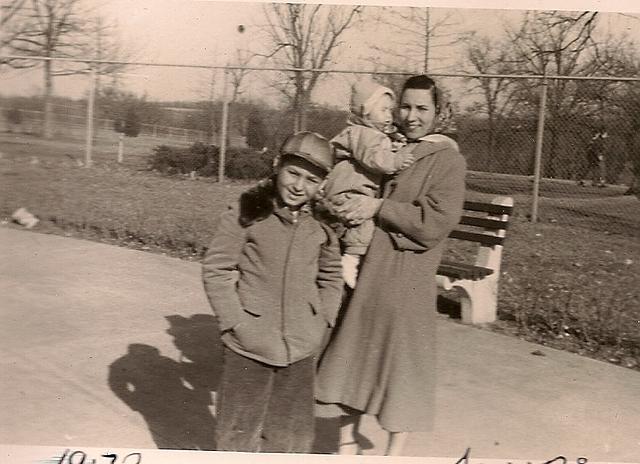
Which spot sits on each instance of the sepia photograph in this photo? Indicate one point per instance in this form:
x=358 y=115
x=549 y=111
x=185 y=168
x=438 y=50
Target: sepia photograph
x=249 y=231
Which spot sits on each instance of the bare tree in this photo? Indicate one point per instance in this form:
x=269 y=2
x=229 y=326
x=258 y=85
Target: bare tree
x=105 y=45
x=553 y=43
x=8 y=31
x=621 y=100
x=9 y=9
x=58 y=29
x=630 y=110
x=206 y=89
x=49 y=28
x=304 y=36
x=490 y=56
x=243 y=57
x=417 y=32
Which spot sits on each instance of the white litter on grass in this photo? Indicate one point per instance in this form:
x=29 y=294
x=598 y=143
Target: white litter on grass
x=628 y=261
x=24 y=218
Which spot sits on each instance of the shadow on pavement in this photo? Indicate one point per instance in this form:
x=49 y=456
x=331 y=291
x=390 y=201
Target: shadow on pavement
x=198 y=339
x=449 y=306
x=327 y=435
x=174 y=397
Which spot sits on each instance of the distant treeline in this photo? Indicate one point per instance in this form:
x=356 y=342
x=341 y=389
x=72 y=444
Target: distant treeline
x=506 y=146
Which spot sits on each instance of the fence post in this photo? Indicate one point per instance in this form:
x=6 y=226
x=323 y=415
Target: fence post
x=223 y=130
x=90 y=102
x=538 y=156
x=120 y=148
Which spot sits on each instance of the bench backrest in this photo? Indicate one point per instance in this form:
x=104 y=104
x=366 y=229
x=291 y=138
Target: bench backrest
x=485 y=222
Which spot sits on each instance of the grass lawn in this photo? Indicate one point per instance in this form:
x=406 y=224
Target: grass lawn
x=70 y=147
x=571 y=281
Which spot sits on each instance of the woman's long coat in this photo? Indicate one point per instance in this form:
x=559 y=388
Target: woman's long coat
x=381 y=357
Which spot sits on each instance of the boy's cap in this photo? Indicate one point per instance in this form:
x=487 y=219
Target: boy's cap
x=311 y=147
x=364 y=93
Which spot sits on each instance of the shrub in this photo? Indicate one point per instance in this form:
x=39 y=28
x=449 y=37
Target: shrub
x=256 y=132
x=240 y=163
x=174 y=160
x=14 y=116
x=130 y=125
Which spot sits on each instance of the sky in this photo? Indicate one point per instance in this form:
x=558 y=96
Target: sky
x=204 y=32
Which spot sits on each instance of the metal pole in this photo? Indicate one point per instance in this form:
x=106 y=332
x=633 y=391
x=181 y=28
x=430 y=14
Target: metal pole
x=213 y=127
x=223 y=130
x=90 y=102
x=120 y=147
x=427 y=39
x=538 y=157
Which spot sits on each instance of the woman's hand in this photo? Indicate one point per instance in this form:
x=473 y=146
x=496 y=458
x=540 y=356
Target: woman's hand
x=355 y=209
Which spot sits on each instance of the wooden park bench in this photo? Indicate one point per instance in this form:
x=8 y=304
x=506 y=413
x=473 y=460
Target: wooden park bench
x=484 y=223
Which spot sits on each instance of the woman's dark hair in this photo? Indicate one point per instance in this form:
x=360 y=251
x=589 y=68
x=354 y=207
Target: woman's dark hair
x=423 y=82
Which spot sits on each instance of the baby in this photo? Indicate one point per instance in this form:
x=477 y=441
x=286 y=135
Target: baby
x=365 y=152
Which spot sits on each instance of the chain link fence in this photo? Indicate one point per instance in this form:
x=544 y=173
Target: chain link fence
x=68 y=122
x=585 y=139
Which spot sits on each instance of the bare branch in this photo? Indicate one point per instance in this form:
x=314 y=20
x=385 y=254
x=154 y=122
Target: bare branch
x=417 y=31
x=57 y=28
x=304 y=36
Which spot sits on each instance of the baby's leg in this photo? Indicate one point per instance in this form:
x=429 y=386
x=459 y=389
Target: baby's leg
x=356 y=242
x=350 y=264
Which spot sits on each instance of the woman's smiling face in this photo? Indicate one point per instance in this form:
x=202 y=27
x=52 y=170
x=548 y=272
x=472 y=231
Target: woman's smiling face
x=416 y=112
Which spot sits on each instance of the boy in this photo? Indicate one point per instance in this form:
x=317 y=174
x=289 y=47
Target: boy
x=272 y=275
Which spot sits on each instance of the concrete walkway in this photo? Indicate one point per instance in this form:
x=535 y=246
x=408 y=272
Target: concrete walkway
x=107 y=347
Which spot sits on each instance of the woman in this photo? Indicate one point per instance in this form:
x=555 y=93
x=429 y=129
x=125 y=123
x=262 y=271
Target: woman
x=381 y=357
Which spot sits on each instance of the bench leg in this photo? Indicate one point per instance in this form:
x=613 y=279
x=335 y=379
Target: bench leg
x=478 y=300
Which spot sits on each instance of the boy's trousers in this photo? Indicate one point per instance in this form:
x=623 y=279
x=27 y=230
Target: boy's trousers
x=262 y=408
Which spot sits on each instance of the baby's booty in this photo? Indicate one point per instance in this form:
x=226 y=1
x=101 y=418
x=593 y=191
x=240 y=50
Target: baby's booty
x=350 y=269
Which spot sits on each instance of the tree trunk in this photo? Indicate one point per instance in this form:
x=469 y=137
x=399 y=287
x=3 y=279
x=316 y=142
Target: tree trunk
x=633 y=151
x=47 y=128
x=549 y=164
x=302 y=115
x=634 y=188
x=297 y=114
x=491 y=142
x=299 y=104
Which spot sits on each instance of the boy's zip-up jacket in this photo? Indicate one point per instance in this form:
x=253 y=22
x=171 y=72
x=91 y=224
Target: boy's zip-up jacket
x=275 y=285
